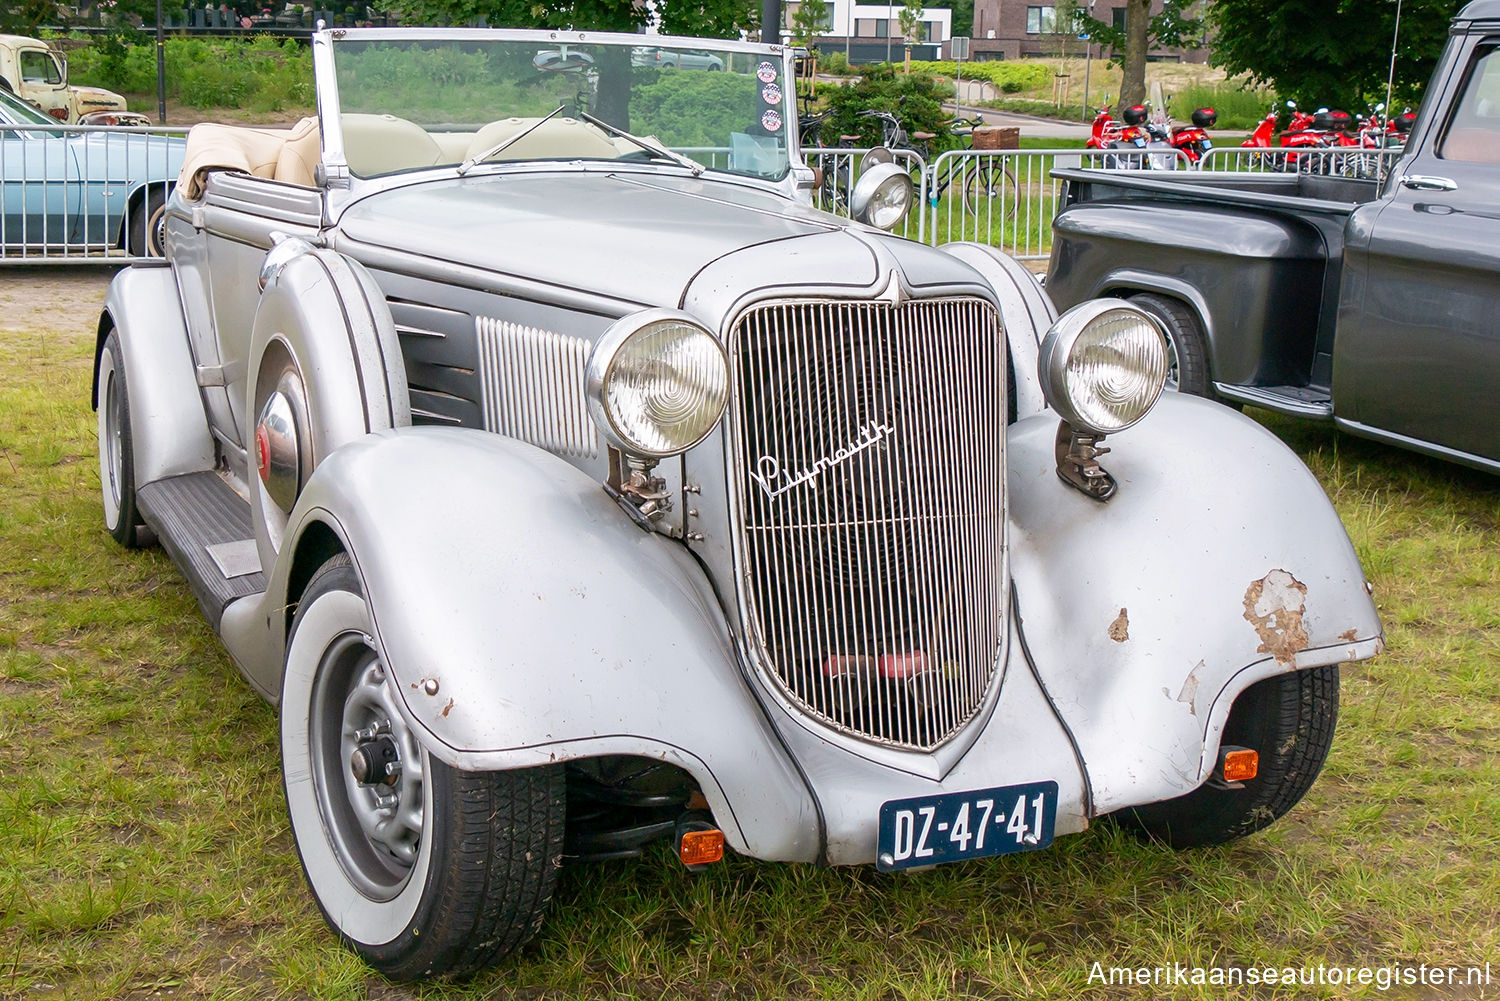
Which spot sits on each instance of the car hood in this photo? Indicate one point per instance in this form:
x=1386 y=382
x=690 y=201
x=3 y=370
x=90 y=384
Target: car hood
x=636 y=237
x=98 y=99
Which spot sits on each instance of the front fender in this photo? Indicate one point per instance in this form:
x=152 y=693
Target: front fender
x=1219 y=562
x=527 y=619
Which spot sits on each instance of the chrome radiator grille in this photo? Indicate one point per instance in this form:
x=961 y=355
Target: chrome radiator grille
x=533 y=386
x=868 y=441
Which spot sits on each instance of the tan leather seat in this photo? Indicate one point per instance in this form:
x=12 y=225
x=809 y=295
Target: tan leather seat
x=300 y=154
x=384 y=144
x=559 y=138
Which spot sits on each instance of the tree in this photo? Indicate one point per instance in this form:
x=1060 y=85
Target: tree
x=706 y=18
x=1174 y=26
x=808 y=22
x=1331 y=54
x=910 y=19
x=24 y=17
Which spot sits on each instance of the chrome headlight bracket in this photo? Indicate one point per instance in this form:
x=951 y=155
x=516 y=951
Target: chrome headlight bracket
x=1102 y=367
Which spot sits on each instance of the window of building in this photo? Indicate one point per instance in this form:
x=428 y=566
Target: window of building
x=1041 y=20
x=1117 y=18
x=865 y=27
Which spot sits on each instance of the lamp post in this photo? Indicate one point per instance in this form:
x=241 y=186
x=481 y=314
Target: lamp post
x=890 y=11
x=161 y=70
x=1088 y=52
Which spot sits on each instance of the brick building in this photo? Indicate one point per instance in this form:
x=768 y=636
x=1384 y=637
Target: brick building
x=1016 y=29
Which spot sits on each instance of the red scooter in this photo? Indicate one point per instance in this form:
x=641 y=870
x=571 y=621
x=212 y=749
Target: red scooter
x=1193 y=139
x=1110 y=134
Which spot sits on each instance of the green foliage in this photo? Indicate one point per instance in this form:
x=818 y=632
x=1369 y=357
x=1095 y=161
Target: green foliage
x=262 y=74
x=1175 y=26
x=915 y=98
x=1011 y=78
x=834 y=64
x=1238 y=107
x=910 y=20
x=1333 y=54
x=807 y=21
x=702 y=18
x=26 y=17
x=688 y=108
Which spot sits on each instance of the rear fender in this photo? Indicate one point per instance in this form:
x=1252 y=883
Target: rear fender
x=526 y=619
x=169 y=429
x=1219 y=562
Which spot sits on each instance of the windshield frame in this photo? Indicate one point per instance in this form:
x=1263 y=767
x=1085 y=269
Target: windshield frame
x=342 y=180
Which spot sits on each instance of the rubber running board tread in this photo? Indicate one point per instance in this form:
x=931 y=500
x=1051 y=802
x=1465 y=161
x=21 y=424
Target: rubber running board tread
x=189 y=513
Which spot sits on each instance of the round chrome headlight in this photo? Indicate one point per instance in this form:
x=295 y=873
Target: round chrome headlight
x=882 y=196
x=1102 y=365
x=657 y=383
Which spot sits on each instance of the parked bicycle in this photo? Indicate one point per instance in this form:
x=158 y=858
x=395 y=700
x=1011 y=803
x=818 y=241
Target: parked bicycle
x=981 y=181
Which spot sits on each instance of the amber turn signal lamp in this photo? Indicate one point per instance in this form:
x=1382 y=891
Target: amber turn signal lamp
x=701 y=847
x=1240 y=765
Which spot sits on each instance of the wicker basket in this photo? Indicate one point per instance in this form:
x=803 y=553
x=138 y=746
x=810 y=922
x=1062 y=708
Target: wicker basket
x=997 y=137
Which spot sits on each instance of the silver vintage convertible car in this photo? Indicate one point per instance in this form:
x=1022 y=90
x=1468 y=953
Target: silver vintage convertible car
x=571 y=483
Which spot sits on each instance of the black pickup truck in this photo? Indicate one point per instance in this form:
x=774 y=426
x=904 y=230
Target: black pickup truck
x=1375 y=305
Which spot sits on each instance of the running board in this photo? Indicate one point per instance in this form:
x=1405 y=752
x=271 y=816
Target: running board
x=1298 y=401
x=205 y=527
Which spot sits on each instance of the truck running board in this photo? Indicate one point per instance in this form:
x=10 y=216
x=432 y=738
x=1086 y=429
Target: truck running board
x=1312 y=402
x=205 y=527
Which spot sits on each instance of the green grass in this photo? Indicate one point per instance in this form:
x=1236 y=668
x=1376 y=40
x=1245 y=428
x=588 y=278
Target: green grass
x=146 y=852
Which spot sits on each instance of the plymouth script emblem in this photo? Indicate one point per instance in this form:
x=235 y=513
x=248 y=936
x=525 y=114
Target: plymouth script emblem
x=768 y=472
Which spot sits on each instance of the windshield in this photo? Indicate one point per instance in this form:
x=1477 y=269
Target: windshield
x=410 y=104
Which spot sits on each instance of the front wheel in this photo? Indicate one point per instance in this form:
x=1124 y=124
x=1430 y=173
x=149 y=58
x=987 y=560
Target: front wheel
x=991 y=189
x=422 y=869
x=1289 y=719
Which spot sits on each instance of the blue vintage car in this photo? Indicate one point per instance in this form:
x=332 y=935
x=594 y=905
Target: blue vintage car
x=66 y=190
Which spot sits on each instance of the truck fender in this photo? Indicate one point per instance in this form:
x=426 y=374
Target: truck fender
x=1147 y=615
x=167 y=421
x=1026 y=313
x=324 y=339
x=527 y=619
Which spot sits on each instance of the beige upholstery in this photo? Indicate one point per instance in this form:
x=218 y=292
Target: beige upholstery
x=275 y=154
x=384 y=144
x=300 y=154
x=559 y=138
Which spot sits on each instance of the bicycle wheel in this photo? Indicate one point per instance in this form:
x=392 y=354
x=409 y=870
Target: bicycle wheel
x=988 y=189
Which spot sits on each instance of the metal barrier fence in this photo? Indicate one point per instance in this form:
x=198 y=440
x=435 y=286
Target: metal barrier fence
x=841 y=172
x=1008 y=198
x=80 y=194
x=74 y=194
x=1332 y=161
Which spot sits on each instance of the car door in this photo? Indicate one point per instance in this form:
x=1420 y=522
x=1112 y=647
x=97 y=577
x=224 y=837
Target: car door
x=39 y=191
x=1421 y=358
x=44 y=82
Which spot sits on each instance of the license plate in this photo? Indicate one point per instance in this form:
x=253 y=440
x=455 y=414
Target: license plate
x=929 y=830
x=1208 y=144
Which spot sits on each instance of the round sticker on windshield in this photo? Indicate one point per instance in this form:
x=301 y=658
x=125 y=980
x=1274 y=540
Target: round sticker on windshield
x=766 y=72
x=771 y=120
x=771 y=94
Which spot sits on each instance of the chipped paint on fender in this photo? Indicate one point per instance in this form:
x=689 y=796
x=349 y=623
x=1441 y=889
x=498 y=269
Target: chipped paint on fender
x=1274 y=605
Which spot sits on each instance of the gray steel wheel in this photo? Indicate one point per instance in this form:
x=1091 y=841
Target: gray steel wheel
x=422 y=869
x=116 y=449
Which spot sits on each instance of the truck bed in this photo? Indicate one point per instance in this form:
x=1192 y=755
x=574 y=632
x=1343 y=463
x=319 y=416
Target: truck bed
x=1296 y=194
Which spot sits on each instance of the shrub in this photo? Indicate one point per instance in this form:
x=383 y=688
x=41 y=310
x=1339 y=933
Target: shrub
x=262 y=73
x=1009 y=77
x=915 y=99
